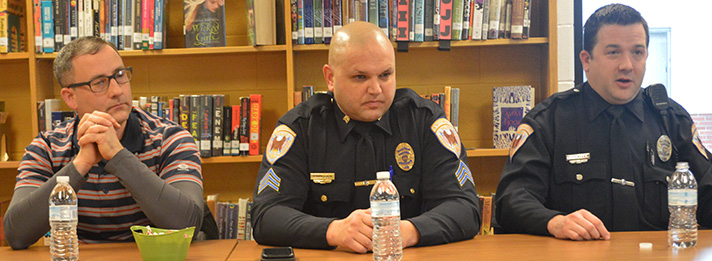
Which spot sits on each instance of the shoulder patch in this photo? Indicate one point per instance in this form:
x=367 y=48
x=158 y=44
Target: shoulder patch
x=279 y=143
x=448 y=137
x=523 y=133
x=698 y=143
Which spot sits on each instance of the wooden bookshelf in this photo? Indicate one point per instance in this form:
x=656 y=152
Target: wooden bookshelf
x=277 y=71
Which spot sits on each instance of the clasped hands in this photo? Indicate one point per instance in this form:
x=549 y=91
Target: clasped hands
x=355 y=232
x=97 y=139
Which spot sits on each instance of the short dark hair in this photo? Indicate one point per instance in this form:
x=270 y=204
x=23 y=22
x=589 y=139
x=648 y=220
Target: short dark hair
x=617 y=14
x=80 y=46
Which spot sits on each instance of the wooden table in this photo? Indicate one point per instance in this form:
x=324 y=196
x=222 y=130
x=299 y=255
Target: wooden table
x=622 y=246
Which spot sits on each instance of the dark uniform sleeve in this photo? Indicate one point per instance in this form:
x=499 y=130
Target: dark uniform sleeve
x=524 y=185
x=280 y=194
x=691 y=150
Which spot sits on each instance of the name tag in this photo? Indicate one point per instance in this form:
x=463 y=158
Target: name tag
x=322 y=178
x=578 y=158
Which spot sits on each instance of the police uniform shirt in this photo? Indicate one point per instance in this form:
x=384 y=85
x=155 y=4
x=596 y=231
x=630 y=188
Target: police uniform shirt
x=308 y=175
x=563 y=163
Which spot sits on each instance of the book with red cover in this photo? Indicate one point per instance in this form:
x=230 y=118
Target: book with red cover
x=255 y=118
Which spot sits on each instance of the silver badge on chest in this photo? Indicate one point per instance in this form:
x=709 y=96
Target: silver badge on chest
x=664 y=146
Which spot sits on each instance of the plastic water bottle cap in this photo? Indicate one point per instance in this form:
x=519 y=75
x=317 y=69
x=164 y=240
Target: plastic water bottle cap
x=383 y=175
x=63 y=179
x=645 y=245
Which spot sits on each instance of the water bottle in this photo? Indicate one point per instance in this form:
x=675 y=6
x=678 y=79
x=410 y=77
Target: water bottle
x=385 y=215
x=63 y=221
x=682 y=203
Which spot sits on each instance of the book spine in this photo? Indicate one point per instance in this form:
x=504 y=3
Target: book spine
x=517 y=19
x=218 y=103
x=457 y=10
x=337 y=14
x=446 y=101
x=248 y=221
x=372 y=11
x=455 y=107
x=244 y=126
x=80 y=18
x=506 y=20
x=527 y=19
x=194 y=121
x=151 y=23
x=235 y=130
x=88 y=18
x=145 y=22
x=158 y=24
x=241 y=217
x=485 y=18
x=466 y=19
x=477 y=19
x=175 y=110
x=41 y=117
x=107 y=20
x=227 y=130
x=58 y=24
x=206 y=125
x=419 y=17
x=308 y=22
x=37 y=20
x=184 y=111
x=255 y=122
x=300 y=22
x=318 y=21
x=446 y=14
x=231 y=228
x=294 y=13
x=251 y=30
x=362 y=8
x=403 y=20
x=328 y=21
x=4 y=39
x=436 y=20
x=137 y=36
x=383 y=16
x=495 y=12
x=96 y=22
x=428 y=22
x=47 y=30
x=393 y=9
x=126 y=27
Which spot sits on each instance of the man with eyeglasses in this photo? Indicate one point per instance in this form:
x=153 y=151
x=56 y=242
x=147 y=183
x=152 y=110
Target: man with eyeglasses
x=127 y=166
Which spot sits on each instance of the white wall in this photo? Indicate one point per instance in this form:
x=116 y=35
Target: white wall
x=691 y=37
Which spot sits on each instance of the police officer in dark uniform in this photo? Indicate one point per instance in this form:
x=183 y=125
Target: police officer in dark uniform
x=321 y=161
x=596 y=158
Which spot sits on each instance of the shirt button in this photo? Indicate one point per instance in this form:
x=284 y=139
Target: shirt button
x=579 y=177
x=323 y=198
x=412 y=191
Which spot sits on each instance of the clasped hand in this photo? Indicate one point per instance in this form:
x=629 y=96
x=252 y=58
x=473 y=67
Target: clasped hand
x=355 y=232
x=97 y=140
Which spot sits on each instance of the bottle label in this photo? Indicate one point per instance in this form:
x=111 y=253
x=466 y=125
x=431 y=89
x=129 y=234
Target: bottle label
x=682 y=197
x=385 y=209
x=62 y=213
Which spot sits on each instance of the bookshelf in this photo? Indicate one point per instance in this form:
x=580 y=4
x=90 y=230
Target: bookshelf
x=276 y=71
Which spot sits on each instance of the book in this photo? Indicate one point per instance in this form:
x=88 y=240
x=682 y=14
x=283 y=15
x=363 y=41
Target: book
x=244 y=126
x=403 y=30
x=217 y=144
x=194 y=127
x=466 y=19
x=457 y=15
x=185 y=111
x=328 y=22
x=318 y=21
x=418 y=20
x=51 y=105
x=337 y=15
x=59 y=20
x=477 y=15
x=47 y=28
x=446 y=17
x=486 y=205
x=495 y=13
x=206 y=125
x=455 y=107
x=261 y=19
x=41 y=118
x=485 y=18
x=517 y=27
x=255 y=122
x=235 y=130
x=300 y=22
x=294 y=16
x=428 y=23
x=527 y=19
x=506 y=20
x=446 y=101
x=159 y=25
x=227 y=130
x=307 y=92
x=204 y=23
x=509 y=105
x=241 y=217
x=308 y=21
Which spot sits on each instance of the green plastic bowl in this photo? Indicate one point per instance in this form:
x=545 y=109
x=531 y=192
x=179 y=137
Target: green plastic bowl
x=168 y=246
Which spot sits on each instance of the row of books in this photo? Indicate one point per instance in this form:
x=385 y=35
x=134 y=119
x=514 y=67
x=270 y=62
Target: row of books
x=128 y=24
x=315 y=21
x=12 y=29
x=218 y=129
x=449 y=100
x=233 y=219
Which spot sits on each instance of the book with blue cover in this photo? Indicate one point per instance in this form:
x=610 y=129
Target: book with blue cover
x=509 y=105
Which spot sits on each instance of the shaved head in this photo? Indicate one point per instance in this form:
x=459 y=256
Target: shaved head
x=356 y=35
x=361 y=71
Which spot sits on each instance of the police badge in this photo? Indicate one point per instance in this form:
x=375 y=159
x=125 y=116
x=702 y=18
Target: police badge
x=664 y=146
x=405 y=157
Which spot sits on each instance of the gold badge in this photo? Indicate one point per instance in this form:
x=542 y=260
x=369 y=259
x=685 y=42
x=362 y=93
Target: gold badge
x=405 y=157
x=664 y=148
x=322 y=178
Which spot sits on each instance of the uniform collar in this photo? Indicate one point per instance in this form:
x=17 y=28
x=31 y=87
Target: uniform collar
x=132 y=139
x=346 y=127
x=597 y=105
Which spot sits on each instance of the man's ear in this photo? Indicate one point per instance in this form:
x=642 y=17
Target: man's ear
x=70 y=97
x=329 y=77
x=586 y=58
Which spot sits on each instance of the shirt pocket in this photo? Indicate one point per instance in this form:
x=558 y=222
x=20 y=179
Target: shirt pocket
x=328 y=200
x=578 y=186
x=655 y=209
x=408 y=185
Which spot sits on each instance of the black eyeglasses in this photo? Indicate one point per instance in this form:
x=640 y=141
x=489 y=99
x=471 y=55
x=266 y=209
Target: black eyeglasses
x=101 y=83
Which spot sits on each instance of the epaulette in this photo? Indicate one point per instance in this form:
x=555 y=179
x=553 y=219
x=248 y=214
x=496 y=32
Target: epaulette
x=405 y=96
x=316 y=104
x=556 y=97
